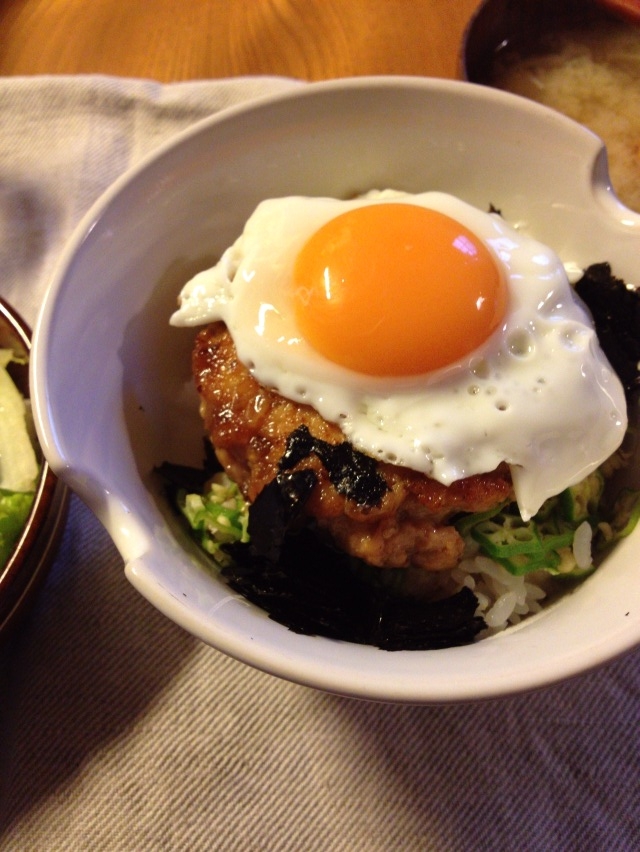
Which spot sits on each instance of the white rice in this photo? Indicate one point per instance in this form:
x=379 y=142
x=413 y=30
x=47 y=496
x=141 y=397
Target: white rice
x=503 y=599
x=582 y=545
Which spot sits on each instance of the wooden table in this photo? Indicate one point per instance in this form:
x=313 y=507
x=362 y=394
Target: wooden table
x=169 y=40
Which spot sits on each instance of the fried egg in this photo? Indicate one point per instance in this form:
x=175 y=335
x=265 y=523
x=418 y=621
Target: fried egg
x=434 y=334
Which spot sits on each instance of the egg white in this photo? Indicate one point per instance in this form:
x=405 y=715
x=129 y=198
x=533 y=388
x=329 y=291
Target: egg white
x=538 y=394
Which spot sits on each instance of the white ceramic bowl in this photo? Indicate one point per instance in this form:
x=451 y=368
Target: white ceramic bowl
x=111 y=379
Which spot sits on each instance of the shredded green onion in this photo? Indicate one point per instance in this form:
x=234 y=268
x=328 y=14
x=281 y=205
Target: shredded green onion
x=216 y=517
x=561 y=537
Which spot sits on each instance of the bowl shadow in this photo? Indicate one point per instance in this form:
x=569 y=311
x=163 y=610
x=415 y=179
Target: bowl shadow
x=74 y=680
x=529 y=757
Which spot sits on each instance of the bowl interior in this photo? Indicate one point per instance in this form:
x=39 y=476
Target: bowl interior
x=124 y=402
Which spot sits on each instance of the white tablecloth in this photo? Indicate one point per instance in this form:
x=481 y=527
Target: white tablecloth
x=118 y=731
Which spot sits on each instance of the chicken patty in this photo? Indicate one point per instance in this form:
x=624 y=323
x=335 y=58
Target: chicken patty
x=250 y=427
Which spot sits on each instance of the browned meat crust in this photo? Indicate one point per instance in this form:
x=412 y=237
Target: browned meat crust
x=249 y=426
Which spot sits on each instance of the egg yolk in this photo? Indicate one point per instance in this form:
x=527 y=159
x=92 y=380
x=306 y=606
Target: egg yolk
x=395 y=289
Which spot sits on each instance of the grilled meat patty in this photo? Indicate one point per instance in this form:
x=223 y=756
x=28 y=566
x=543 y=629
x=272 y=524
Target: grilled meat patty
x=250 y=425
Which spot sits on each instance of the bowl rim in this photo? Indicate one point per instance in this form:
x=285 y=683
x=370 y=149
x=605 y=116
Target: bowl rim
x=137 y=569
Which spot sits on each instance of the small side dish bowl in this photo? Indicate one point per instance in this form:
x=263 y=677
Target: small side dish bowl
x=24 y=571
x=111 y=378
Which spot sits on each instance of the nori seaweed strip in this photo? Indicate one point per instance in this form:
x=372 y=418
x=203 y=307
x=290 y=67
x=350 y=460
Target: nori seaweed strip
x=309 y=587
x=309 y=590
x=409 y=623
x=313 y=590
x=190 y=479
x=276 y=509
x=352 y=473
x=616 y=314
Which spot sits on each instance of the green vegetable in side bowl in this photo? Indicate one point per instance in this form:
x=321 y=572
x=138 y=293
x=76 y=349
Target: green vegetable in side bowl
x=19 y=466
x=14 y=511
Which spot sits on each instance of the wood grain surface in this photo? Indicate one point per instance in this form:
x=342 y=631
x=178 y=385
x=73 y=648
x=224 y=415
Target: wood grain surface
x=169 y=40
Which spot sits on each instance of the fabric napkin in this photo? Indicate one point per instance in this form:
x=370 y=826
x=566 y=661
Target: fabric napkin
x=119 y=731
